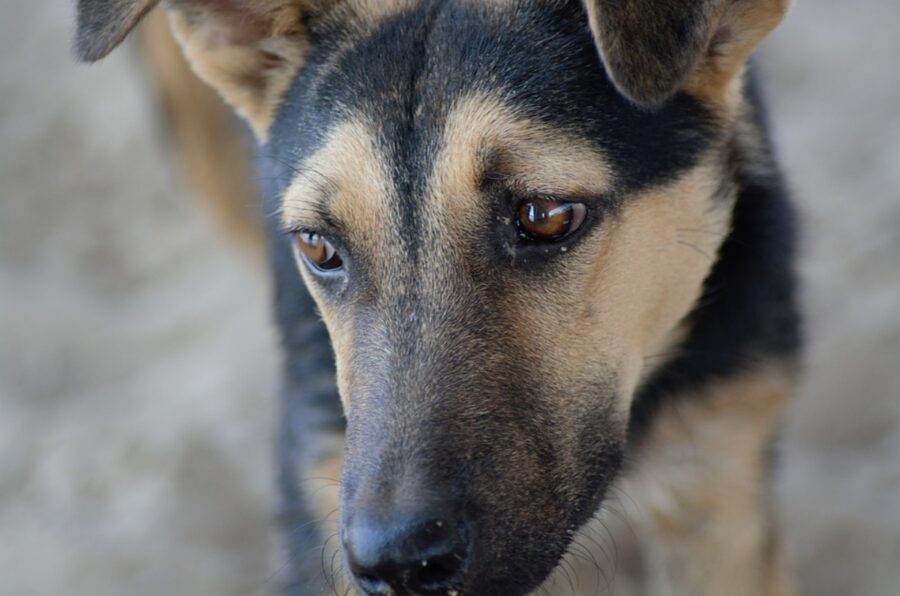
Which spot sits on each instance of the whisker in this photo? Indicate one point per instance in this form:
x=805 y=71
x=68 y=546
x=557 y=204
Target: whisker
x=695 y=248
x=701 y=231
x=329 y=578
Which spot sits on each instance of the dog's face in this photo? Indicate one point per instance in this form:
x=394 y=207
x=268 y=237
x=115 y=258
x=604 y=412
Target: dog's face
x=497 y=239
x=502 y=236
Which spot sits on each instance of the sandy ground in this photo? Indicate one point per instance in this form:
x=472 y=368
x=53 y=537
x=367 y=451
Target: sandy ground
x=136 y=358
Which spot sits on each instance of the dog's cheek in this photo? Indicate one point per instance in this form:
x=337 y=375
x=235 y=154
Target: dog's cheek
x=661 y=250
x=338 y=321
x=589 y=328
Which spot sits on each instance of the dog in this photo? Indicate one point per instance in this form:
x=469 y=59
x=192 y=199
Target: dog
x=533 y=268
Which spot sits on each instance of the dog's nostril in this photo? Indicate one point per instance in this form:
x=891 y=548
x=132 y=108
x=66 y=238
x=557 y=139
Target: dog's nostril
x=420 y=557
x=438 y=571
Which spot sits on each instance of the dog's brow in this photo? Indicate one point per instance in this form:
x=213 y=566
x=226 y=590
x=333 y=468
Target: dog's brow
x=305 y=202
x=496 y=140
x=343 y=187
x=578 y=172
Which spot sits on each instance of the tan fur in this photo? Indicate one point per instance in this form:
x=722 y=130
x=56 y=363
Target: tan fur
x=695 y=498
x=642 y=272
x=349 y=178
x=483 y=133
x=618 y=302
x=742 y=25
x=214 y=155
x=251 y=66
x=698 y=493
x=350 y=173
x=702 y=485
x=251 y=53
x=537 y=157
x=627 y=287
x=630 y=284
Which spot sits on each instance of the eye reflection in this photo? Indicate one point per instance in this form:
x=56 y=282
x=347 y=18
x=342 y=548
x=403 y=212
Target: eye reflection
x=545 y=220
x=318 y=251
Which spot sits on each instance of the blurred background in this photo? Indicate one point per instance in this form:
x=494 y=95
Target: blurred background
x=137 y=360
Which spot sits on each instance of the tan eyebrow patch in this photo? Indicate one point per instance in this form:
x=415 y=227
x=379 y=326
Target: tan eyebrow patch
x=483 y=137
x=349 y=179
x=545 y=158
x=541 y=159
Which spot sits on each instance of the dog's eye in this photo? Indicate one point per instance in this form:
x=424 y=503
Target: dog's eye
x=318 y=251
x=546 y=220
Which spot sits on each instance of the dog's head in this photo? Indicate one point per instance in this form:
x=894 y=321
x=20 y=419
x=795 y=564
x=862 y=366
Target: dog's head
x=505 y=210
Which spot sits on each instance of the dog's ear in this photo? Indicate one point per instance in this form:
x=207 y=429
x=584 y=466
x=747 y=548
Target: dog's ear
x=653 y=48
x=248 y=50
x=103 y=24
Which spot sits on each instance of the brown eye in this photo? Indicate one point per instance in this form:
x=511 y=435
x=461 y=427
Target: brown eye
x=549 y=221
x=318 y=251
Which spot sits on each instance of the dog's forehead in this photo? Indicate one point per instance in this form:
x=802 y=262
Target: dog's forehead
x=369 y=185
x=416 y=59
x=409 y=65
x=402 y=115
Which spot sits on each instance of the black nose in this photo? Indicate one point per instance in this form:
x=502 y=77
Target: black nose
x=406 y=555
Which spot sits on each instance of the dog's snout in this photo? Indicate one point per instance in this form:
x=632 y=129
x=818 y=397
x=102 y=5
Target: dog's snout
x=410 y=555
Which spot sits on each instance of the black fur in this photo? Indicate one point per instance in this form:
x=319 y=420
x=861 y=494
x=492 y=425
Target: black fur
x=564 y=84
x=747 y=312
x=310 y=406
x=405 y=77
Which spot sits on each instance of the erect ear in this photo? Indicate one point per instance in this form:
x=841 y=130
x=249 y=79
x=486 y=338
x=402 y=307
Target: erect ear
x=653 y=48
x=248 y=50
